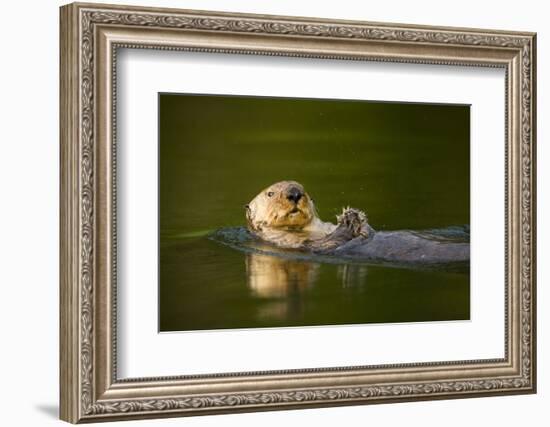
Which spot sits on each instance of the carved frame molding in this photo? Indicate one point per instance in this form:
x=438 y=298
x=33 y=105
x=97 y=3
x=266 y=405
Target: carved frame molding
x=90 y=37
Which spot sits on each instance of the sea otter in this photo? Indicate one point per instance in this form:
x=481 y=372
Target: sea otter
x=284 y=215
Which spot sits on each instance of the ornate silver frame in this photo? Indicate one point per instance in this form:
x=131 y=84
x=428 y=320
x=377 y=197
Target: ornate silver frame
x=90 y=36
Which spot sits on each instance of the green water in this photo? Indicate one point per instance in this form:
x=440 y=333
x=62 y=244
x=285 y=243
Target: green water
x=406 y=165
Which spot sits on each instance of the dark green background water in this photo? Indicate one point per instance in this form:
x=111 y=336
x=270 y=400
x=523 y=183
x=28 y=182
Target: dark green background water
x=406 y=165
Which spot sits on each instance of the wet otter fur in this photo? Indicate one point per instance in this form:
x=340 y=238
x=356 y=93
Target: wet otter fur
x=284 y=215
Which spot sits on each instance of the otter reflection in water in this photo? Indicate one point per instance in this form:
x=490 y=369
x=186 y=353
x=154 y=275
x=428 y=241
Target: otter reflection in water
x=284 y=215
x=282 y=283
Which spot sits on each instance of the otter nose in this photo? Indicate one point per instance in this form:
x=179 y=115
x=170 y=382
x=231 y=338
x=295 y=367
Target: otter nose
x=294 y=194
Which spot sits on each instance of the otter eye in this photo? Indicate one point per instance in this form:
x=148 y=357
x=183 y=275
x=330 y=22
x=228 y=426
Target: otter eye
x=247 y=207
x=270 y=194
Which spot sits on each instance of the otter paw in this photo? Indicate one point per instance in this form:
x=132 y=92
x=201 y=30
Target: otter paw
x=354 y=220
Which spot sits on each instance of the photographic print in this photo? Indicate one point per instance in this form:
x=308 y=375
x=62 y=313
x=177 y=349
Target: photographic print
x=279 y=212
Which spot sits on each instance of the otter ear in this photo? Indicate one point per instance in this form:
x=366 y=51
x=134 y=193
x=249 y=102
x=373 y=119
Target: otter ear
x=248 y=215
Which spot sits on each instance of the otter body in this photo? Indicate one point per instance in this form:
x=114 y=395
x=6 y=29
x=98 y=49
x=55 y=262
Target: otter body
x=284 y=215
x=404 y=247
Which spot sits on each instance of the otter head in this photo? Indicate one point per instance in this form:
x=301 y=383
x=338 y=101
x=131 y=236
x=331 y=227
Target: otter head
x=283 y=205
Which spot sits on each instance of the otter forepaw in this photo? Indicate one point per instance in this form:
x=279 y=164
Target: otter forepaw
x=354 y=220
